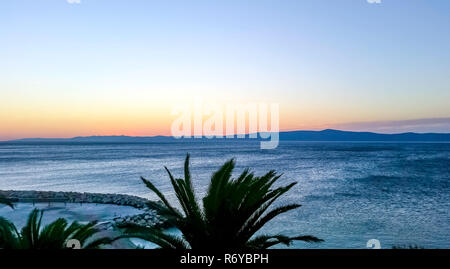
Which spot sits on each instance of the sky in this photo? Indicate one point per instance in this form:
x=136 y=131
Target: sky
x=118 y=67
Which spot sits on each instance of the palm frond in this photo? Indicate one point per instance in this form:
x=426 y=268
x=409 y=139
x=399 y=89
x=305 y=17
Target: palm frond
x=53 y=236
x=152 y=187
x=233 y=211
x=9 y=236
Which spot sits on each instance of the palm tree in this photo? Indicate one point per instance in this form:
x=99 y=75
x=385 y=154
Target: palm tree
x=53 y=236
x=233 y=211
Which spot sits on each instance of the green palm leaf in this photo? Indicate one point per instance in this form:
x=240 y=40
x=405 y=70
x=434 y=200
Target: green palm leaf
x=53 y=236
x=233 y=211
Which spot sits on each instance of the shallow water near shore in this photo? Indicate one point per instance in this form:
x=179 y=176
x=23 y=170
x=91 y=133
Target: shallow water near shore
x=72 y=212
x=397 y=193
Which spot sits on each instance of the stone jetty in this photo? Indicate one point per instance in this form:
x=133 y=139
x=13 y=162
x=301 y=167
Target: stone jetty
x=76 y=197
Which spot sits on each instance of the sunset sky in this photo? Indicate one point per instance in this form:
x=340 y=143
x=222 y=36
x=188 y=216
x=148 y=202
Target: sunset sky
x=118 y=67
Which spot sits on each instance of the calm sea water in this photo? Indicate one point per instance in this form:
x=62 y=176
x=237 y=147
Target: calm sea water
x=398 y=193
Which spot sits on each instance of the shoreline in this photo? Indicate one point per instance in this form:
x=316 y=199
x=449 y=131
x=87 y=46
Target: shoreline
x=150 y=217
x=76 y=197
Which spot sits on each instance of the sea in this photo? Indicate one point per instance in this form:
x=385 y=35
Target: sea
x=350 y=192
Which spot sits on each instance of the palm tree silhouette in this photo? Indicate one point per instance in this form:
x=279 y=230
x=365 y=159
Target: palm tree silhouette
x=53 y=236
x=233 y=212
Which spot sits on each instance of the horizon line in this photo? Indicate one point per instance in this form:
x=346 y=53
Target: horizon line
x=224 y=136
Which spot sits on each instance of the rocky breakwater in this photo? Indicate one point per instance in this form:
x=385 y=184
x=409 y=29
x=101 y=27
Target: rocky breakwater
x=149 y=218
x=76 y=197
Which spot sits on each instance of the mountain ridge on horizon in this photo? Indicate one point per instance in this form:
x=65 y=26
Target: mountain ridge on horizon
x=298 y=135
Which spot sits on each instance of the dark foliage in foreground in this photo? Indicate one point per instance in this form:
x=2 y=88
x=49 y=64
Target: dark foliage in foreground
x=53 y=236
x=232 y=212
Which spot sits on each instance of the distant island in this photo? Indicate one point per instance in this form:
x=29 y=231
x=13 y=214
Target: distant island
x=324 y=135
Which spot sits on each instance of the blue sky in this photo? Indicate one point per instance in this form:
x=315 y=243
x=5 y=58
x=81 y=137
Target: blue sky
x=105 y=66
